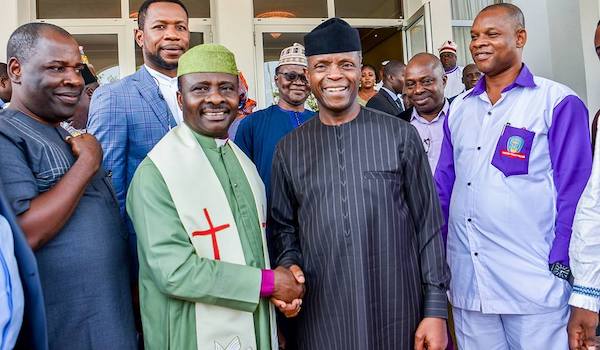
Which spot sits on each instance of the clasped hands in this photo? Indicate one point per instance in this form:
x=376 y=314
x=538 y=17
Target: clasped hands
x=289 y=290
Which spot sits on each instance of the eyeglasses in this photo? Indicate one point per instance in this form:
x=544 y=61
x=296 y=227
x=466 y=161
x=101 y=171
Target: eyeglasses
x=293 y=76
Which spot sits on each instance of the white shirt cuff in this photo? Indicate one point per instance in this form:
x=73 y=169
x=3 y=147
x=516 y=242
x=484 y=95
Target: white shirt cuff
x=583 y=301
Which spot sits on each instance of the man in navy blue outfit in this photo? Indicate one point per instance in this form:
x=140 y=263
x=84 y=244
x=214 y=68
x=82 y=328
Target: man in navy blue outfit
x=259 y=133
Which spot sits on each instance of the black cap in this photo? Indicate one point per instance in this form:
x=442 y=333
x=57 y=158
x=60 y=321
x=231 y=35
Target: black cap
x=88 y=76
x=332 y=36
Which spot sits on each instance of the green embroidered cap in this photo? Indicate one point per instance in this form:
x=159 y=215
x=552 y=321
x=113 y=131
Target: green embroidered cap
x=207 y=58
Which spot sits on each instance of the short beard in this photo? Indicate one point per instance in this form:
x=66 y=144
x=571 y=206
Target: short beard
x=160 y=62
x=294 y=103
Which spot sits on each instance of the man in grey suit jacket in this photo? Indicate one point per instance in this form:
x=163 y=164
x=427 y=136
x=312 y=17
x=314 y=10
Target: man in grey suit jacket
x=388 y=98
x=130 y=116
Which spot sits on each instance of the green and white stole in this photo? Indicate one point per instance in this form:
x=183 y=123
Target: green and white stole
x=205 y=213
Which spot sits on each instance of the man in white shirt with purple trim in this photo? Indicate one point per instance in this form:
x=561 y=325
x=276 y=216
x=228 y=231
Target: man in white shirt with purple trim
x=515 y=160
x=454 y=85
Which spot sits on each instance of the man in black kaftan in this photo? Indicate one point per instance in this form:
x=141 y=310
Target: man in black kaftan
x=355 y=206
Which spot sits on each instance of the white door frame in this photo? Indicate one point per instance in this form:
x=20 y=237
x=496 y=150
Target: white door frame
x=124 y=29
x=424 y=13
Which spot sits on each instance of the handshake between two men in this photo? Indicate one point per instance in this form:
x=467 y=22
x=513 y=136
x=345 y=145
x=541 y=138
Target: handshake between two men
x=289 y=290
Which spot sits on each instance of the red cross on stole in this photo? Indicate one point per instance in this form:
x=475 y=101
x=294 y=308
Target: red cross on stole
x=212 y=231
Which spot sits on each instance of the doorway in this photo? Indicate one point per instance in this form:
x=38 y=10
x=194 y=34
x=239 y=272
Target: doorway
x=378 y=44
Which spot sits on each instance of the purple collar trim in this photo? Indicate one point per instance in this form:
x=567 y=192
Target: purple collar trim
x=524 y=79
x=452 y=70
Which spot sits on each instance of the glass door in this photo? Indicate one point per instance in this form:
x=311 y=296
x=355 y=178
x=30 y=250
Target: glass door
x=270 y=41
x=379 y=44
x=415 y=34
x=105 y=49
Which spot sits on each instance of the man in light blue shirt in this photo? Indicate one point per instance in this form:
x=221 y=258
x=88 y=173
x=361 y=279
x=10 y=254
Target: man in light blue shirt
x=515 y=159
x=11 y=299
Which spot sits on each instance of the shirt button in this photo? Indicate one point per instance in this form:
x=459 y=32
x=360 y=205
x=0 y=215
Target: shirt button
x=479 y=148
x=234 y=185
x=469 y=184
x=490 y=113
x=476 y=254
x=469 y=219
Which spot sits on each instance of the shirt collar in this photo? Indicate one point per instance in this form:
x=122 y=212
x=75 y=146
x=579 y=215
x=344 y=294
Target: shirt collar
x=291 y=112
x=524 y=79
x=451 y=70
x=160 y=77
x=208 y=142
x=390 y=92
x=444 y=112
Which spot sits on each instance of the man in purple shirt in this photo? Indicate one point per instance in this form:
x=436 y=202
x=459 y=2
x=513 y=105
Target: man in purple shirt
x=424 y=85
x=514 y=162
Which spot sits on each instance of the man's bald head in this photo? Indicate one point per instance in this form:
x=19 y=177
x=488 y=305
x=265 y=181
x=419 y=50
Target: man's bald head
x=427 y=59
x=470 y=76
x=23 y=41
x=424 y=83
x=513 y=12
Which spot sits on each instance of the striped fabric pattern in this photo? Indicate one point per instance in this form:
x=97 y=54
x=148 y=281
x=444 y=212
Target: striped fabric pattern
x=355 y=206
x=128 y=117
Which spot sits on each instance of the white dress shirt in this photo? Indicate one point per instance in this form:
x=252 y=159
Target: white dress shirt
x=585 y=242
x=432 y=133
x=168 y=88
x=11 y=290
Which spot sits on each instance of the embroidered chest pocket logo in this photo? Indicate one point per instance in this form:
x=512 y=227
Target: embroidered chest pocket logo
x=513 y=151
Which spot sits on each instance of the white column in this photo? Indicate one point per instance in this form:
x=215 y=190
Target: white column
x=537 y=53
x=589 y=12
x=567 y=54
x=560 y=44
x=8 y=24
x=234 y=28
x=441 y=22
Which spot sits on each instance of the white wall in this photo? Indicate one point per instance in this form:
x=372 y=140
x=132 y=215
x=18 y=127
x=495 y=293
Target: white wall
x=440 y=19
x=537 y=53
x=567 y=50
x=235 y=30
x=412 y=6
x=441 y=23
x=8 y=24
x=589 y=15
x=560 y=44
